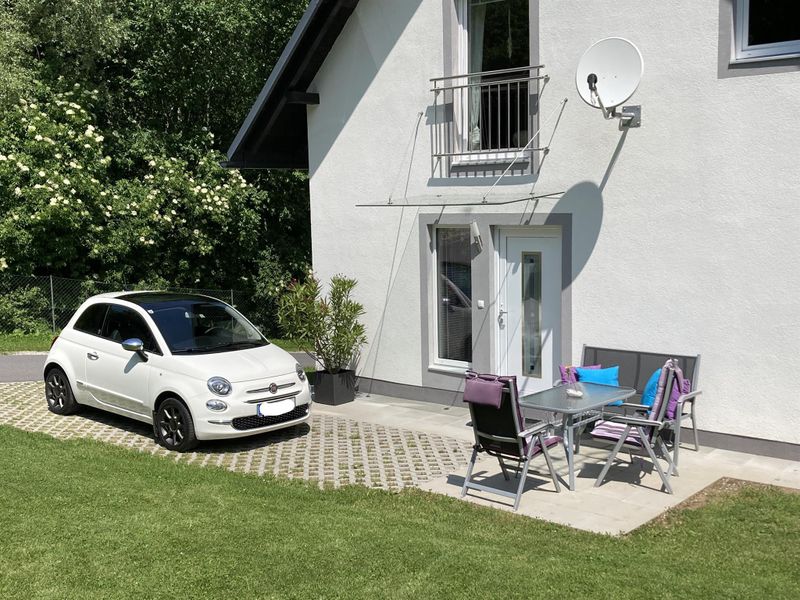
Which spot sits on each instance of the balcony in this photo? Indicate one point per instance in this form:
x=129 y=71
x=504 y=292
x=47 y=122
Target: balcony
x=483 y=121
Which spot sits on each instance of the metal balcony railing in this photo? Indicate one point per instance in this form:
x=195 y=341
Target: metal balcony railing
x=484 y=119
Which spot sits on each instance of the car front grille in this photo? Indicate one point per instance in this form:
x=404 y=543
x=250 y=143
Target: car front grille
x=244 y=423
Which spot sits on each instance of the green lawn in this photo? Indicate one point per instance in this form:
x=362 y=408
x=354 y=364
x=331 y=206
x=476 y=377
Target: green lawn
x=288 y=345
x=25 y=342
x=80 y=519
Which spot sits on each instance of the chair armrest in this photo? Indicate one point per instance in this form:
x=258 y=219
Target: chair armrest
x=625 y=420
x=632 y=407
x=690 y=396
x=538 y=428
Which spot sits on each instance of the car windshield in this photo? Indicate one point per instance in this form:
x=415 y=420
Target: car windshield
x=195 y=325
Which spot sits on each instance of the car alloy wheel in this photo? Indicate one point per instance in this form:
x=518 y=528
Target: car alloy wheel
x=58 y=393
x=173 y=426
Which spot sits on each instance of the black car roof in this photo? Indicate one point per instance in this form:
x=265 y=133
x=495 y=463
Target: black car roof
x=151 y=298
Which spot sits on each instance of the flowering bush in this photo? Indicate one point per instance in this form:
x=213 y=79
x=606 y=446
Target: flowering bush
x=67 y=208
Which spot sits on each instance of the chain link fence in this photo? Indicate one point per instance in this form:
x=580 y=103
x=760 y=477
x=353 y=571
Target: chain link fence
x=46 y=303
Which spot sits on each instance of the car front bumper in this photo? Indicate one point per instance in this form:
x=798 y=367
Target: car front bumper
x=241 y=418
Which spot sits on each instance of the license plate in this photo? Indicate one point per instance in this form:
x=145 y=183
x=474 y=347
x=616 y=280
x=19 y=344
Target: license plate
x=273 y=409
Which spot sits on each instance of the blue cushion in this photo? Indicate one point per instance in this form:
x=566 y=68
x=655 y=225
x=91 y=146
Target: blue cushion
x=650 y=389
x=609 y=376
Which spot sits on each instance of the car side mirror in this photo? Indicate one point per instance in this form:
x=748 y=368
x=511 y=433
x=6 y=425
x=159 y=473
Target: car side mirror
x=135 y=345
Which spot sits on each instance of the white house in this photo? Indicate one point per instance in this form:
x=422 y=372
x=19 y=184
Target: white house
x=681 y=235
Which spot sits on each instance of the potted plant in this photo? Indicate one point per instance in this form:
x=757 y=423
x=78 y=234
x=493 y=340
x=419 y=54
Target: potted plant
x=327 y=328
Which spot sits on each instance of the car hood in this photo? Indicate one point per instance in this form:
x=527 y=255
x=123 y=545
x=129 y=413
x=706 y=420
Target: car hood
x=239 y=365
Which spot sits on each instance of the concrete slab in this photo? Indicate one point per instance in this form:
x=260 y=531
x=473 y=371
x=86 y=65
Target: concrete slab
x=629 y=497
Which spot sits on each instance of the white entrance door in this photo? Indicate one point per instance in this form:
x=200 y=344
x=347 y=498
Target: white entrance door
x=529 y=306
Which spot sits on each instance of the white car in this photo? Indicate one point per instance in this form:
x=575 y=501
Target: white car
x=191 y=365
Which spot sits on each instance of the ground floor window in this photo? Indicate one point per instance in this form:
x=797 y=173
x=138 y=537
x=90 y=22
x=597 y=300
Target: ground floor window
x=454 y=294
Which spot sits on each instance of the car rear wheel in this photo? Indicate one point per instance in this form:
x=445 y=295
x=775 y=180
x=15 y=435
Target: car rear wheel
x=58 y=393
x=173 y=426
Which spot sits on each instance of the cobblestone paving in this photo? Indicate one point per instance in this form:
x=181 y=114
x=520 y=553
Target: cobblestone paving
x=328 y=449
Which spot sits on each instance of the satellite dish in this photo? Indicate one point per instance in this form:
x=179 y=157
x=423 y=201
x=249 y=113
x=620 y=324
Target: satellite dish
x=608 y=74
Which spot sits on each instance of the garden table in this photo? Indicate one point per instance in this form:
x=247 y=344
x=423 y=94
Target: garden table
x=576 y=412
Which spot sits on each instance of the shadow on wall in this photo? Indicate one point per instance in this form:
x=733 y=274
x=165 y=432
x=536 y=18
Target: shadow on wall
x=367 y=40
x=584 y=201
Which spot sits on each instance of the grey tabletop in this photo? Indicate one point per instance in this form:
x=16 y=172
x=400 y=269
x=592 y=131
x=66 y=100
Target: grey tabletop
x=594 y=396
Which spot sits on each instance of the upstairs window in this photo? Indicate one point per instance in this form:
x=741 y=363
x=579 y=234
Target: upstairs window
x=495 y=51
x=766 y=30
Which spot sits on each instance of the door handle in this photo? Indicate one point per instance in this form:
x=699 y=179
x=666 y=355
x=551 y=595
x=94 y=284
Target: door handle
x=500 y=320
x=92 y=355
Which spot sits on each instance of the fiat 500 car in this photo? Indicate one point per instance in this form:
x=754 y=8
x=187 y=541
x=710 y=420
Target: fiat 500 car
x=190 y=365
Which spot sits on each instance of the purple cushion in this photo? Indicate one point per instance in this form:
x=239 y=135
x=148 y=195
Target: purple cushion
x=608 y=430
x=549 y=441
x=682 y=386
x=483 y=391
x=571 y=377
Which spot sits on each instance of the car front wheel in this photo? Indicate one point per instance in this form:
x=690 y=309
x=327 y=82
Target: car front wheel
x=58 y=393
x=173 y=426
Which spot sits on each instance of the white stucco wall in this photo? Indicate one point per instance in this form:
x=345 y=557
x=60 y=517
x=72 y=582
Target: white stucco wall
x=694 y=248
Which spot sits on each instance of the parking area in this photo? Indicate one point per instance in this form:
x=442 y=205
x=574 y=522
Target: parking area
x=329 y=449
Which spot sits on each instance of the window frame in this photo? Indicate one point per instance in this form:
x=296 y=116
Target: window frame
x=436 y=363
x=743 y=53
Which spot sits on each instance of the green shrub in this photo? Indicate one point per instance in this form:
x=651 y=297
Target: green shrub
x=327 y=326
x=24 y=310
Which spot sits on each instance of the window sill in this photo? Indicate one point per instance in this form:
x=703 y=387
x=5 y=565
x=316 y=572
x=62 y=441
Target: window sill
x=449 y=369
x=761 y=59
x=500 y=159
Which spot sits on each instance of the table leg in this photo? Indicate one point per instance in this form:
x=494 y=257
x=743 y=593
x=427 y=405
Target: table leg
x=566 y=426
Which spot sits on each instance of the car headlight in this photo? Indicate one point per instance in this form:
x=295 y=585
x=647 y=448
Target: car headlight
x=219 y=385
x=217 y=405
x=300 y=372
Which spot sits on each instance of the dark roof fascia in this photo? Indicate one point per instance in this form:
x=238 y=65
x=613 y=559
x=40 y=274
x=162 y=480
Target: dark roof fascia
x=276 y=93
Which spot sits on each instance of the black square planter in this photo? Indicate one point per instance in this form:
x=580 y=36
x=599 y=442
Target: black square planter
x=334 y=388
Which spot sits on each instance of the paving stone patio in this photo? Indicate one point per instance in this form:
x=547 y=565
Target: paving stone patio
x=330 y=449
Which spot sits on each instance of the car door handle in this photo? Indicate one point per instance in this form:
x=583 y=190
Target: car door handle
x=92 y=355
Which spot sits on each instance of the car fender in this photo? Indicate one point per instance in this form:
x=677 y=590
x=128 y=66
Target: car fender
x=58 y=358
x=185 y=391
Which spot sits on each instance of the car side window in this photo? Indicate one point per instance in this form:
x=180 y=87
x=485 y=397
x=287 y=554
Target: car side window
x=91 y=321
x=123 y=323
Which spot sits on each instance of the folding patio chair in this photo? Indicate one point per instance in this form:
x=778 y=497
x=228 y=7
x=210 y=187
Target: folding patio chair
x=644 y=433
x=498 y=429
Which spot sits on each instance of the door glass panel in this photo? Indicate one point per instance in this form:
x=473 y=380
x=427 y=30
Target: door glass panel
x=123 y=323
x=532 y=314
x=454 y=293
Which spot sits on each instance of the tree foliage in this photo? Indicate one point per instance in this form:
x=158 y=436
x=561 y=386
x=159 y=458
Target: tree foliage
x=113 y=116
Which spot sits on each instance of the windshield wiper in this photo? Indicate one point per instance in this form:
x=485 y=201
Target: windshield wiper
x=226 y=345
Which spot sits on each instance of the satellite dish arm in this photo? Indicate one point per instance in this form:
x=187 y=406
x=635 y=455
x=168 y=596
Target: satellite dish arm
x=592 y=81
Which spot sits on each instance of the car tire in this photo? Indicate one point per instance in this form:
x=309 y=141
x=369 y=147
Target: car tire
x=58 y=393
x=173 y=426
